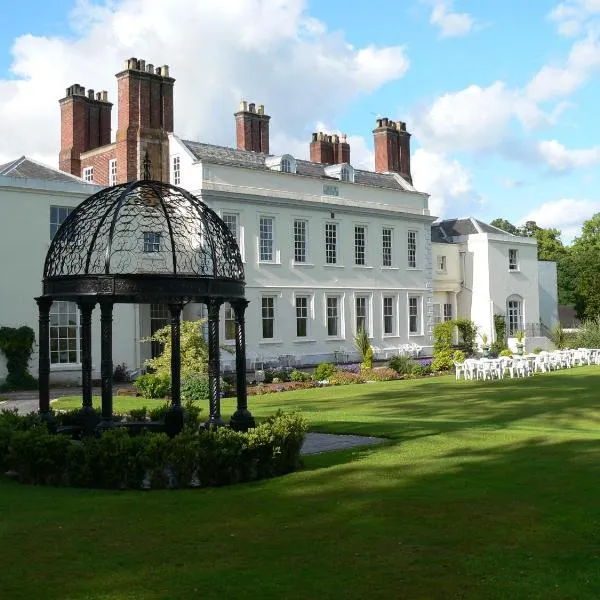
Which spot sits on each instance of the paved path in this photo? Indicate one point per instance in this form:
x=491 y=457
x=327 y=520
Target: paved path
x=314 y=443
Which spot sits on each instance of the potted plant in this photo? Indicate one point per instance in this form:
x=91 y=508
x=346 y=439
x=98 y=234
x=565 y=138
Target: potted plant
x=520 y=337
x=485 y=345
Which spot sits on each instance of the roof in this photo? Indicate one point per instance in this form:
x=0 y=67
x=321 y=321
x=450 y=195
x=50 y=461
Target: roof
x=450 y=228
x=256 y=160
x=27 y=168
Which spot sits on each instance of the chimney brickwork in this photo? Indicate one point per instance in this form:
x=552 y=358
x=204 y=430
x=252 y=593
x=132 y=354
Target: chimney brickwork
x=329 y=149
x=252 y=128
x=84 y=125
x=392 y=148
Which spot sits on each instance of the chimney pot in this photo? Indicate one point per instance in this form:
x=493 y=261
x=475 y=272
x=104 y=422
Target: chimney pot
x=104 y=96
x=243 y=106
x=132 y=64
x=150 y=68
x=157 y=71
x=98 y=95
x=142 y=65
x=90 y=94
x=261 y=109
x=251 y=107
x=164 y=70
x=379 y=122
x=315 y=137
x=252 y=128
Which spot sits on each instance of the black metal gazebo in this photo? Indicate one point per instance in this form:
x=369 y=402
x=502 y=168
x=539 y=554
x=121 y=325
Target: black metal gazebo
x=144 y=242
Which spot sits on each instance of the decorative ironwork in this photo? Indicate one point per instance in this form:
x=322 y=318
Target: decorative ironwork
x=143 y=242
x=85 y=309
x=214 y=363
x=242 y=419
x=144 y=227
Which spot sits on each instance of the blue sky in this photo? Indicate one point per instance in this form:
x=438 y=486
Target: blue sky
x=500 y=97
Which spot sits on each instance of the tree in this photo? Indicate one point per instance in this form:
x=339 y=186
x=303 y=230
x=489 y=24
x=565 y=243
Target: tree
x=585 y=256
x=505 y=226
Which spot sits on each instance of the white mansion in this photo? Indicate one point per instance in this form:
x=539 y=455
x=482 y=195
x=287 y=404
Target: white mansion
x=327 y=248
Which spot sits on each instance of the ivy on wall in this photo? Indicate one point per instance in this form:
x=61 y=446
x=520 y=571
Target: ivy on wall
x=16 y=343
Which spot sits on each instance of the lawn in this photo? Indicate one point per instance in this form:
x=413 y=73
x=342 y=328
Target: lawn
x=485 y=490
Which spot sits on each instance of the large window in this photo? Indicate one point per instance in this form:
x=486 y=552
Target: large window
x=266 y=239
x=331 y=243
x=88 y=174
x=64 y=333
x=412 y=249
x=231 y=220
x=300 y=240
x=229 y=320
x=414 y=318
x=268 y=317
x=333 y=316
x=513 y=259
x=514 y=309
x=447 y=311
x=437 y=313
x=361 y=308
x=159 y=317
x=151 y=242
x=112 y=172
x=441 y=264
x=359 y=245
x=388 y=315
x=302 y=316
x=57 y=215
x=176 y=170
x=386 y=247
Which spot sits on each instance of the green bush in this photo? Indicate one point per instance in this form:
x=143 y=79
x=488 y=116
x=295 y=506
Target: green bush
x=588 y=335
x=379 y=374
x=116 y=459
x=152 y=385
x=16 y=343
x=420 y=371
x=195 y=388
x=537 y=350
x=506 y=352
x=323 y=371
x=403 y=365
x=467 y=331
x=158 y=412
x=458 y=356
x=361 y=340
x=367 y=362
x=442 y=346
x=345 y=378
x=442 y=361
x=139 y=414
x=299 y=376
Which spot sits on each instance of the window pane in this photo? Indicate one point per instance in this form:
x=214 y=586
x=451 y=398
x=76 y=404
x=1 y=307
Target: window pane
x=300 y=241
x=413 y=315
x=361 y=313
x=332 y=316
x=229 y=322
x=331 y=243
x=359 y=245
x=412 y=249
x=388 y=315
x=301 y=316
x=386 y=241
x=266 y=238
x=268 y=317
x=64 y=332
x=232 y=224
x=151 y=241
x=176 y=170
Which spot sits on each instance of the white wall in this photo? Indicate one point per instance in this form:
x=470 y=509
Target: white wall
x=24 y=242
x=548 y=291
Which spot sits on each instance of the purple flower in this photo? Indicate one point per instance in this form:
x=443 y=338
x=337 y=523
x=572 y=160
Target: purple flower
x=353 y=368
x=424 y=362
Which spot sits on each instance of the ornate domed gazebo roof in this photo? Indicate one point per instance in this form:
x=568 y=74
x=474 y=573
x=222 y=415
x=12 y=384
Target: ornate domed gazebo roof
x=143 y=240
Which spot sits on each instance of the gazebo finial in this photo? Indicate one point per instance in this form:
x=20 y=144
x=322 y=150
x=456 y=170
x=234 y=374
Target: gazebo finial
x=147 y=167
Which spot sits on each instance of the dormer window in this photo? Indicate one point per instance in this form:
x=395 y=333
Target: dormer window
x=285 y=163
x=343 y=172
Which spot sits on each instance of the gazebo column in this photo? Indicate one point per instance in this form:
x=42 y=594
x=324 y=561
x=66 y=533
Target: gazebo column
x=214 y=364
x=44 y=305
x=106 y=362
x=174 y=416
x=242 y=419
x=87 y=409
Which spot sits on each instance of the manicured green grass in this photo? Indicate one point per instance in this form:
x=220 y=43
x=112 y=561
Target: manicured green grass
x=485 y=490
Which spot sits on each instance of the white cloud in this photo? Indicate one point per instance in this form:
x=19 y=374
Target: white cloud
x=560 y=159
x=566 y=214
x=451 y=24
x=269 y=51
x=447 y=181
x=571 y=16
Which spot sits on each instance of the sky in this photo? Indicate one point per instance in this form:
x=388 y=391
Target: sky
x=500 y=97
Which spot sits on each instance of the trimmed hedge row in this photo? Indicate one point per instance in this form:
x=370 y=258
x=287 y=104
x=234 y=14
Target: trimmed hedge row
x=116 y=459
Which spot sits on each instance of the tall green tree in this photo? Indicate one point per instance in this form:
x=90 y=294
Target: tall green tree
x=505 y=226
x=585 y=256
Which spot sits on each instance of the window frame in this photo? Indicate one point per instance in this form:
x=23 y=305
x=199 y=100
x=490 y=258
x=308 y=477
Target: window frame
x=441 y=263
x=55 y=313
x=264 y=301
x=176 y=167
x=306 y=317
x=365 y=300
x=88 y=174
x=297 y=241
x=112 y=172
x=412 y=257
x=418 y=316
x=337 y=317
x=329 y=246
x=389 y=249
x=228 y=322
x=357 y=249
x=56 y=223
x=391 y=317
x=151 y=242
x=518 y=300
x=513 y=265
x=447 y=312
x=263 y=240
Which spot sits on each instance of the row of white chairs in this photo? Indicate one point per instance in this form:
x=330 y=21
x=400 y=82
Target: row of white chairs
x=524 y=366
x=413 y=350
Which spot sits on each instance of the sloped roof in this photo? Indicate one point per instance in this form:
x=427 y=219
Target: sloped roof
x=27 y=168
x=450 y=228
x=255 y=160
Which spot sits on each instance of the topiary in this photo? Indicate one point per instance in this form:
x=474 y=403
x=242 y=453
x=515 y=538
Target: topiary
x=16 y=343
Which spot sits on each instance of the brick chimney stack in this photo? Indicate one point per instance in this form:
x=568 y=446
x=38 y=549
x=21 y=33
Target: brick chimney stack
x=145 y=111
x=84 y=125
x=392 y=148
x=252 y=128
x=328 y=149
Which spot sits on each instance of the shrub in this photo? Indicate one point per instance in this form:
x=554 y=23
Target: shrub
x=380 y=374
x=16 y=343
x=323 y=371
x=403 y=365
x=589 y=334
x=195 y=388
x=158 y=413
x=558 y=336
x=361 y=340
x=345 y=378
x=299 y=376
x=420 y=371
x=121 y=373
x=351 y=368
x=458 y=356
x=152 y=385
x=367 y=362
x=468 y=334
x=506 y=352
x=497 y=347
x=138 y=414
x=115 y=459
x=500 y=328
x=443 y=361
